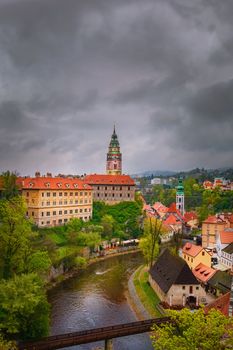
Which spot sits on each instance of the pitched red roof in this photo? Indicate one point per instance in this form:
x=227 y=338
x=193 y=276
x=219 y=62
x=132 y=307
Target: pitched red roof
x=221 y=304
x=53 y=183
x=214 y=220
x=192 y=249
x=226 y=236
x=160 y=207
x=103 y=179
x=203 y=273
x=190 y=215
x=172 y=220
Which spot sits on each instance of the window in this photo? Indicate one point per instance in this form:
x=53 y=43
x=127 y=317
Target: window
x=98 y=187
x=105 y=194
x=85 y=210
x=76 y=193
x=47 y=222
x=48 y=213
x=71 y=193
x=106 y=188
x=60 y=194
x=128 y=188
x=48 y=194
x=54 y=202
x=76 y=201
x=54 y=213
x=65 y=211
x=48 y=203
x=54 y=194
x=120 y=188
x=60 y=212
x=65 y=194
x=27 y=194
x=60 y=221
x=128 y=194
x=183 y=287
x=71 y=202
x=71 y=211
x=85 y=194
x=76 y=210
x=203 y=253
x=65 y=202
x=60 y=202
x=120 y=194
x=65 y=220
x=80 y=210
x=32 y=213
x=197 y=287
x=81 y=193
x=42 y=194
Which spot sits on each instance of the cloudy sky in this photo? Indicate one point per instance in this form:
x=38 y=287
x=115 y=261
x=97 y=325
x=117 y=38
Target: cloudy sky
x=161 y=70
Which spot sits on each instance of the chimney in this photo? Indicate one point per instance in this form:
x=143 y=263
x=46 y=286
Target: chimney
x=49 y=174
x=37 y=174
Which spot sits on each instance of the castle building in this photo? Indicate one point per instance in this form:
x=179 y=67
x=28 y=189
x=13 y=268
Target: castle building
x=53 y=201
x=180 y=197
x=112 y=187
x=114 y=157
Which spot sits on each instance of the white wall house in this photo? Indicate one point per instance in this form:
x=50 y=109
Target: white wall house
x=227 y=256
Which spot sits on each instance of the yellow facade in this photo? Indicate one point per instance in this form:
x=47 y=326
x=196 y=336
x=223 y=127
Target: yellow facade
x=210 y=232
x=56 y=207
x=202 y=257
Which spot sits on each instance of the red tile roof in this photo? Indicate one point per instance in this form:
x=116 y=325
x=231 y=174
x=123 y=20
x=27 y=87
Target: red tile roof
x=172 y=220
x=173 y=209
x=191 y=249
x=214 y=220
x=160 y=207
x=203 y=273
x=97 y=179
x=221 y=304
x=53 y=183
x=226 y=236
x=190 y=215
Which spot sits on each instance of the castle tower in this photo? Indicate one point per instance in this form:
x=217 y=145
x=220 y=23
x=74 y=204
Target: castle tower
x=114 y=163
x=180 y=197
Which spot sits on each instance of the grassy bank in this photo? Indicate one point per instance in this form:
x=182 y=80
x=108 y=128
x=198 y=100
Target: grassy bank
x=148 y=297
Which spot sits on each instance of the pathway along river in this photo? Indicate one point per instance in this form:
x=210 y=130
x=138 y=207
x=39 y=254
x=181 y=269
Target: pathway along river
x=96 y=298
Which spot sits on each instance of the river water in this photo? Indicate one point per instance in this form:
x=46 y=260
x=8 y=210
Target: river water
x=96 y=298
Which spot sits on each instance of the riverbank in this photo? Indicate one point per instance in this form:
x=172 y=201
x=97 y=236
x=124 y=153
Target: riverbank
x=141 y=297
x=75 y=272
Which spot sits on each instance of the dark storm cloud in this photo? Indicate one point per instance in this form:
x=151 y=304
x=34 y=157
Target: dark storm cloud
x=161 y=70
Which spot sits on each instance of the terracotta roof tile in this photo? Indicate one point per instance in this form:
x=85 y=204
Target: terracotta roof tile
x=53 y=183
x=221 y=304
x=226 y=236
x=103 y=179
x=214 y=220
x=191 y=249
x=203 y=273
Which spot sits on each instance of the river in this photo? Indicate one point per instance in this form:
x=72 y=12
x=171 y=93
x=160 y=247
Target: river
x=96 y=298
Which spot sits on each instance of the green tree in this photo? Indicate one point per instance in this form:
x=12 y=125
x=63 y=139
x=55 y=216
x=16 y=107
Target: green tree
x=39 y=262
x=15 y=231
x=24 y=310
x=6 y=344
x=196 y=331
x=107 y=222
x=10 y=188
x=149 y=243
x=88 y=239
x=74 y=225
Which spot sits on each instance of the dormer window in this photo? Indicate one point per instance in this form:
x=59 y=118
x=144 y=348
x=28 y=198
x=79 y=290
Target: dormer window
x=59 y=185
x=68 y=185
x=47 y=184
x=31 y=184
x=75 y=185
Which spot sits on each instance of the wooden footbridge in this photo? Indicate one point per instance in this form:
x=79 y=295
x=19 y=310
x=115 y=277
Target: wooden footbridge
x=104 y=333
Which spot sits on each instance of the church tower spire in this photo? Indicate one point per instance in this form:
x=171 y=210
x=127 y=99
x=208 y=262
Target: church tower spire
x=180 y=197
x=114 y=158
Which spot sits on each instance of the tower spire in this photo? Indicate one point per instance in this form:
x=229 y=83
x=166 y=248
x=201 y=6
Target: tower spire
x=113 y=166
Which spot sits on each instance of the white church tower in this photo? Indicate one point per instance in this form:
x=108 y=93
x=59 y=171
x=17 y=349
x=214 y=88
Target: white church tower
x=180 y=197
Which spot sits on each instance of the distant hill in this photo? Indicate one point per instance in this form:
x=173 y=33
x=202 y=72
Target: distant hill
x=155 y=173
x=200 y=174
